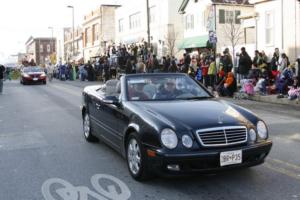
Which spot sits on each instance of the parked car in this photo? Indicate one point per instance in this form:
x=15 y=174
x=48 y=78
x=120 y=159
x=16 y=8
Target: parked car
x=33 y=75
x=170 y=124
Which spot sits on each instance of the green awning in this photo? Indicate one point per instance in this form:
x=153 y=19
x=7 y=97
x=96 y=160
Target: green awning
x=193 y=42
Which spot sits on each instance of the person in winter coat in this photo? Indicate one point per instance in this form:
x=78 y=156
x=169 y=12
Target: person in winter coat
x=173 y=67
x=128 y=69
x=155 y=67
x=284 y=62
x=297 y=66
x=244 y=64
x=212 y=72
x=228 y=86
x=227 y=62
x=140 y=66
x=91 y=72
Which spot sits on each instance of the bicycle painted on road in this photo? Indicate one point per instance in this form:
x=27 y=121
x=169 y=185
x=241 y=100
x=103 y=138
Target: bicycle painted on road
x=116 y=191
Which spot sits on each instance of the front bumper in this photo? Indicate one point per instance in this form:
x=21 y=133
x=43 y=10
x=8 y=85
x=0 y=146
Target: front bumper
x=208 y=161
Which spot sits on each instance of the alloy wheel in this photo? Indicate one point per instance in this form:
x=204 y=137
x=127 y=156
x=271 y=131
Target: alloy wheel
x=134 y=156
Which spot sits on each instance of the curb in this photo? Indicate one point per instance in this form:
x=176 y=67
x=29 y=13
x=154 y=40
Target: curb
x=273 y=99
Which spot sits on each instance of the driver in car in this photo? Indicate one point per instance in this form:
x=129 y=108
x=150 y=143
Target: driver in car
x=169 y=90
x=136 y=92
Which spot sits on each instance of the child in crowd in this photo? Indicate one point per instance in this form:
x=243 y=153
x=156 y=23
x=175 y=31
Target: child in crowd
x=260 y=86
x=294 y=91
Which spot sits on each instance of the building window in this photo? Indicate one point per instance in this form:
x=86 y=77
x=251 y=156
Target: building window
x=88 y=35
x=41 y=48
x=135 y=21
x=42 y=60
x=121 y=25
x=269 y=27
x=229 y=16
x=152 y=12
x=96 y=32
x=189 y=22
x=48 y=48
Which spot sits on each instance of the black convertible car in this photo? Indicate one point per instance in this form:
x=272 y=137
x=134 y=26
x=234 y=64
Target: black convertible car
x=170 y=124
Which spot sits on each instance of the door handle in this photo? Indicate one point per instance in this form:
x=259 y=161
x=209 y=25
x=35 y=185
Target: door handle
x=98 y=106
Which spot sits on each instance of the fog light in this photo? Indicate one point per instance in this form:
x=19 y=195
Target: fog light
x=187 y=141
x=173 y=167
x=252 y=135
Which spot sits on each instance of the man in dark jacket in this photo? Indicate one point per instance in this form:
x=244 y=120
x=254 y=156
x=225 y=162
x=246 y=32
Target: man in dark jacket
x=227 y=62
x=156 y=67
x=2 y=70
x=244 y=63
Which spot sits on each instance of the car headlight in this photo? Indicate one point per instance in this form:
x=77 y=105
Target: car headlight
x=252 y=135
x=262 y=130
x=169 y=138
x=26 y=75
x=187 y=141
x=43 y=75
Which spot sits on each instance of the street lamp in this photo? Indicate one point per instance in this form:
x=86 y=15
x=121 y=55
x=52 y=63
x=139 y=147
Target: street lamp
x=72 y=28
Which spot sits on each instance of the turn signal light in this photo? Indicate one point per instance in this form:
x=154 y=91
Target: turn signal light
x=151 y=153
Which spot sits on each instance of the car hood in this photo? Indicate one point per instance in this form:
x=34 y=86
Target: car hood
x=194 y=114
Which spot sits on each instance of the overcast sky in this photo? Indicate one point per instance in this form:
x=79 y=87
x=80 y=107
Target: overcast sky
x=20 y=19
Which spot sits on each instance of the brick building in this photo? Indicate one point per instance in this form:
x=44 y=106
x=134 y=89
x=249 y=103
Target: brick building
x=42 y=50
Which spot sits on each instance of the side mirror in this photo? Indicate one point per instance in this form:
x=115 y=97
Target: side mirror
x=111 y=100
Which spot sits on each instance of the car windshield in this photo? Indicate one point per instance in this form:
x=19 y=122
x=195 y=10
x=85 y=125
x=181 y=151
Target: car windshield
x=164 y=87
x=32 y=69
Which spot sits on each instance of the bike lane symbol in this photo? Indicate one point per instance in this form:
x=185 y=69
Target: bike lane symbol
x=69 y=192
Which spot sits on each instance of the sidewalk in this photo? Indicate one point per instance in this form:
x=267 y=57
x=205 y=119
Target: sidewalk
x=273 y=99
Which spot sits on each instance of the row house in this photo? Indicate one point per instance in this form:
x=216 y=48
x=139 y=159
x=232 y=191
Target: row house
x=75 y=54
x=98 y=31
x=219 y=17
x=166 y=28
x=278 y=26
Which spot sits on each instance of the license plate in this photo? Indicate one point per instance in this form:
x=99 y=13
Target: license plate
x=230 y=157
x=35 y=79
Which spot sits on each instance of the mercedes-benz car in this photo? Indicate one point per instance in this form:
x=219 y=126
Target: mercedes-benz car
x=171 y=124
x=33 y=75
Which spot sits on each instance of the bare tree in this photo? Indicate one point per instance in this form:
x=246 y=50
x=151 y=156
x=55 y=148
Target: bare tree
x=233 y=32
x=171 y=39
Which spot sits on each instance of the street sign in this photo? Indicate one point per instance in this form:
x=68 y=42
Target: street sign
x=212 y=37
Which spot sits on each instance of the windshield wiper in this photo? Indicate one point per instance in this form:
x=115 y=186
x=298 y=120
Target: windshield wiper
x=197 y=98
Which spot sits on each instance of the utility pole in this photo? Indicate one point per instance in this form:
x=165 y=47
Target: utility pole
x=72 y=29
x=148 y=23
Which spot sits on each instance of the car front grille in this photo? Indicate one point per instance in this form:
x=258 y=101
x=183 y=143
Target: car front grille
x=34 y=75
x=222 y=136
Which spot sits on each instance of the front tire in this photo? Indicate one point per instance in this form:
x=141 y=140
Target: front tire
x=87 y=131
x=136 y=158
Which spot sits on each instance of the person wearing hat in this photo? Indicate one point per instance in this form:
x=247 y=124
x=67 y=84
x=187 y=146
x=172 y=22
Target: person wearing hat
x=2 y=70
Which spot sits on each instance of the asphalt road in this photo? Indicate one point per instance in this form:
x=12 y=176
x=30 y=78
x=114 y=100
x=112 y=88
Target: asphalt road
x=43 y=155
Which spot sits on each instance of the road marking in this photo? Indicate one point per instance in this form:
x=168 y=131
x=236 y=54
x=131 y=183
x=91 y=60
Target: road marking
x=283 y=167
x=296 y=167
x=70 y=192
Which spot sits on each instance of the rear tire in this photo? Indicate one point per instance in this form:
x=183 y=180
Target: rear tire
x=87 y=131
x=136 y=158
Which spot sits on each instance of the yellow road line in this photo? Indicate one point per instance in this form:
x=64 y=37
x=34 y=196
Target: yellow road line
x=283 y=171
x=296 y=167
x=283 y=167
